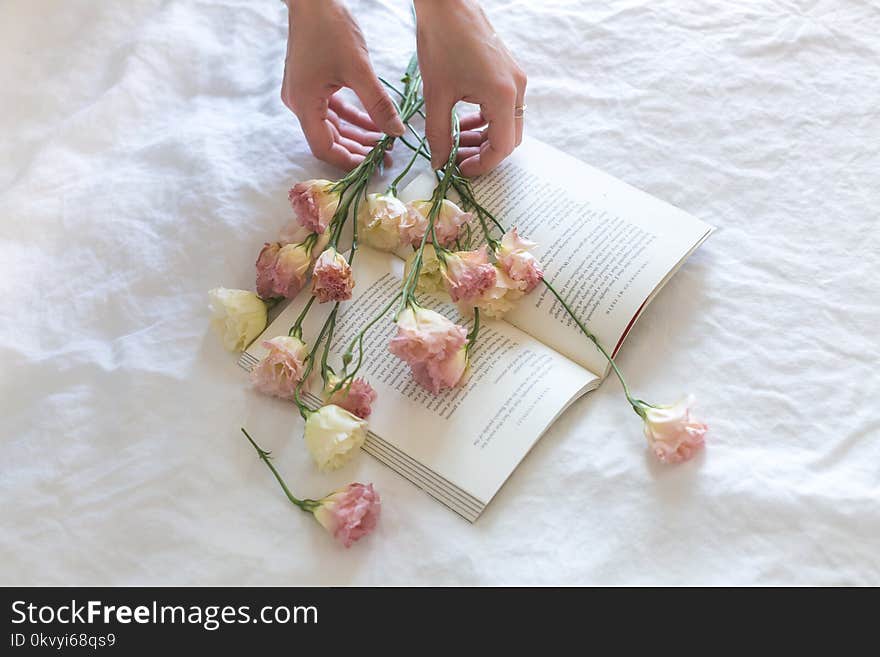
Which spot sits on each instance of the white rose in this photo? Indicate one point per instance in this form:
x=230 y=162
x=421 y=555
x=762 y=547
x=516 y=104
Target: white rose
x=379 y=221
x=239 y=316
x=332 y=436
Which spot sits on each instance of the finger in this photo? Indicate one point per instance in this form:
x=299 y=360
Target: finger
x=321 y=137
x=472 y=121
x=377 y=103
x=346 y=129
x=319 y=132
x=467 y=152
x=341 y=157
x=359 y=149
x=352 y=146
x=472 y=137
x=352 y=114
x=438 y=127
x=339 y=128
x=500 y=135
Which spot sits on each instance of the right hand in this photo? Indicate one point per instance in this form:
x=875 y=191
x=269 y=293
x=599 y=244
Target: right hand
x=462 y=58
x=325 y=52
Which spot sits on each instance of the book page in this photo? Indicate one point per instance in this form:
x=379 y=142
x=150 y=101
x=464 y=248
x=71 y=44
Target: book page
x=605 y=246
x=474 y=435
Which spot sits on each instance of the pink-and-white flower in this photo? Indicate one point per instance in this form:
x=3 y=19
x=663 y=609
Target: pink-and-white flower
x=292 y=269
x=467 y=275
x=314 y=204
x=425 y=335
x=412 y=226
x=356 y=397
x=433 y=346
x=379 y=221
x=266 y=269
x=436 y=375
x=447 y=224
x=350 y=513
x=498 y=300
x=673 y=433
x=332 y=279
x=515 y=258
x=282 y=270
x=279 y=372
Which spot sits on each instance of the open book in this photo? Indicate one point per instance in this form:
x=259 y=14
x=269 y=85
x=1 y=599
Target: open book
x=606 y=247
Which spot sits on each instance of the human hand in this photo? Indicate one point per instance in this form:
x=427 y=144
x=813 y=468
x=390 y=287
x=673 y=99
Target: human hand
x=325 y=52
x=461 y=58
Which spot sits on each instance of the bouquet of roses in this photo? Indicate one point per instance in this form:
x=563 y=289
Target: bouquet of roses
x=484 y=281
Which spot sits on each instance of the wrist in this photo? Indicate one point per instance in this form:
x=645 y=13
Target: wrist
x=311 y=6
x=445 y=7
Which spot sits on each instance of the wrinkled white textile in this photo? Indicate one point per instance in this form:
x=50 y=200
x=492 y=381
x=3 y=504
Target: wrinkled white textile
x=146 y=156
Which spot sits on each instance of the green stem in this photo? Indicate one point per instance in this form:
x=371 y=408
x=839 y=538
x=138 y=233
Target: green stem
x=392 y=188
x=304 y=410
x=595 y=341
x=391 y=86
x=358 y=340
x=354 y=232
x=491 y=241
x=354 y=183
x=424 y=153
x=413 y=277
x=331 y=321
x=437 y=197
x=305 y=505
x=472 y=336
x=337 y=225
x=296 y=330
x=464 y=190
x=461 y=185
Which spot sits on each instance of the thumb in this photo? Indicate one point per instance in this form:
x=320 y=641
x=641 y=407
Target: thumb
x=377 y=103
x=438 y=128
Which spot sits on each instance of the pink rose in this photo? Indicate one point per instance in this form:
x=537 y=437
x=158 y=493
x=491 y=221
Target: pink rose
x=357 y=397
x=673 y=433
x=282 y=368
x=498 y=299
x=291 y=270
x=516 y=261
x=282 y=270
x=350 y=513
x=314 y=204
x=332 y=279
x=467 y=274
x=425 y=335
x=437 y=375
x=432 y=345
x=412 y=226
x=266 y=270
x=447 y=224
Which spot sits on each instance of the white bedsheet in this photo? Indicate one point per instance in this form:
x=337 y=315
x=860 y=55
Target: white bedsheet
x=145 y=156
